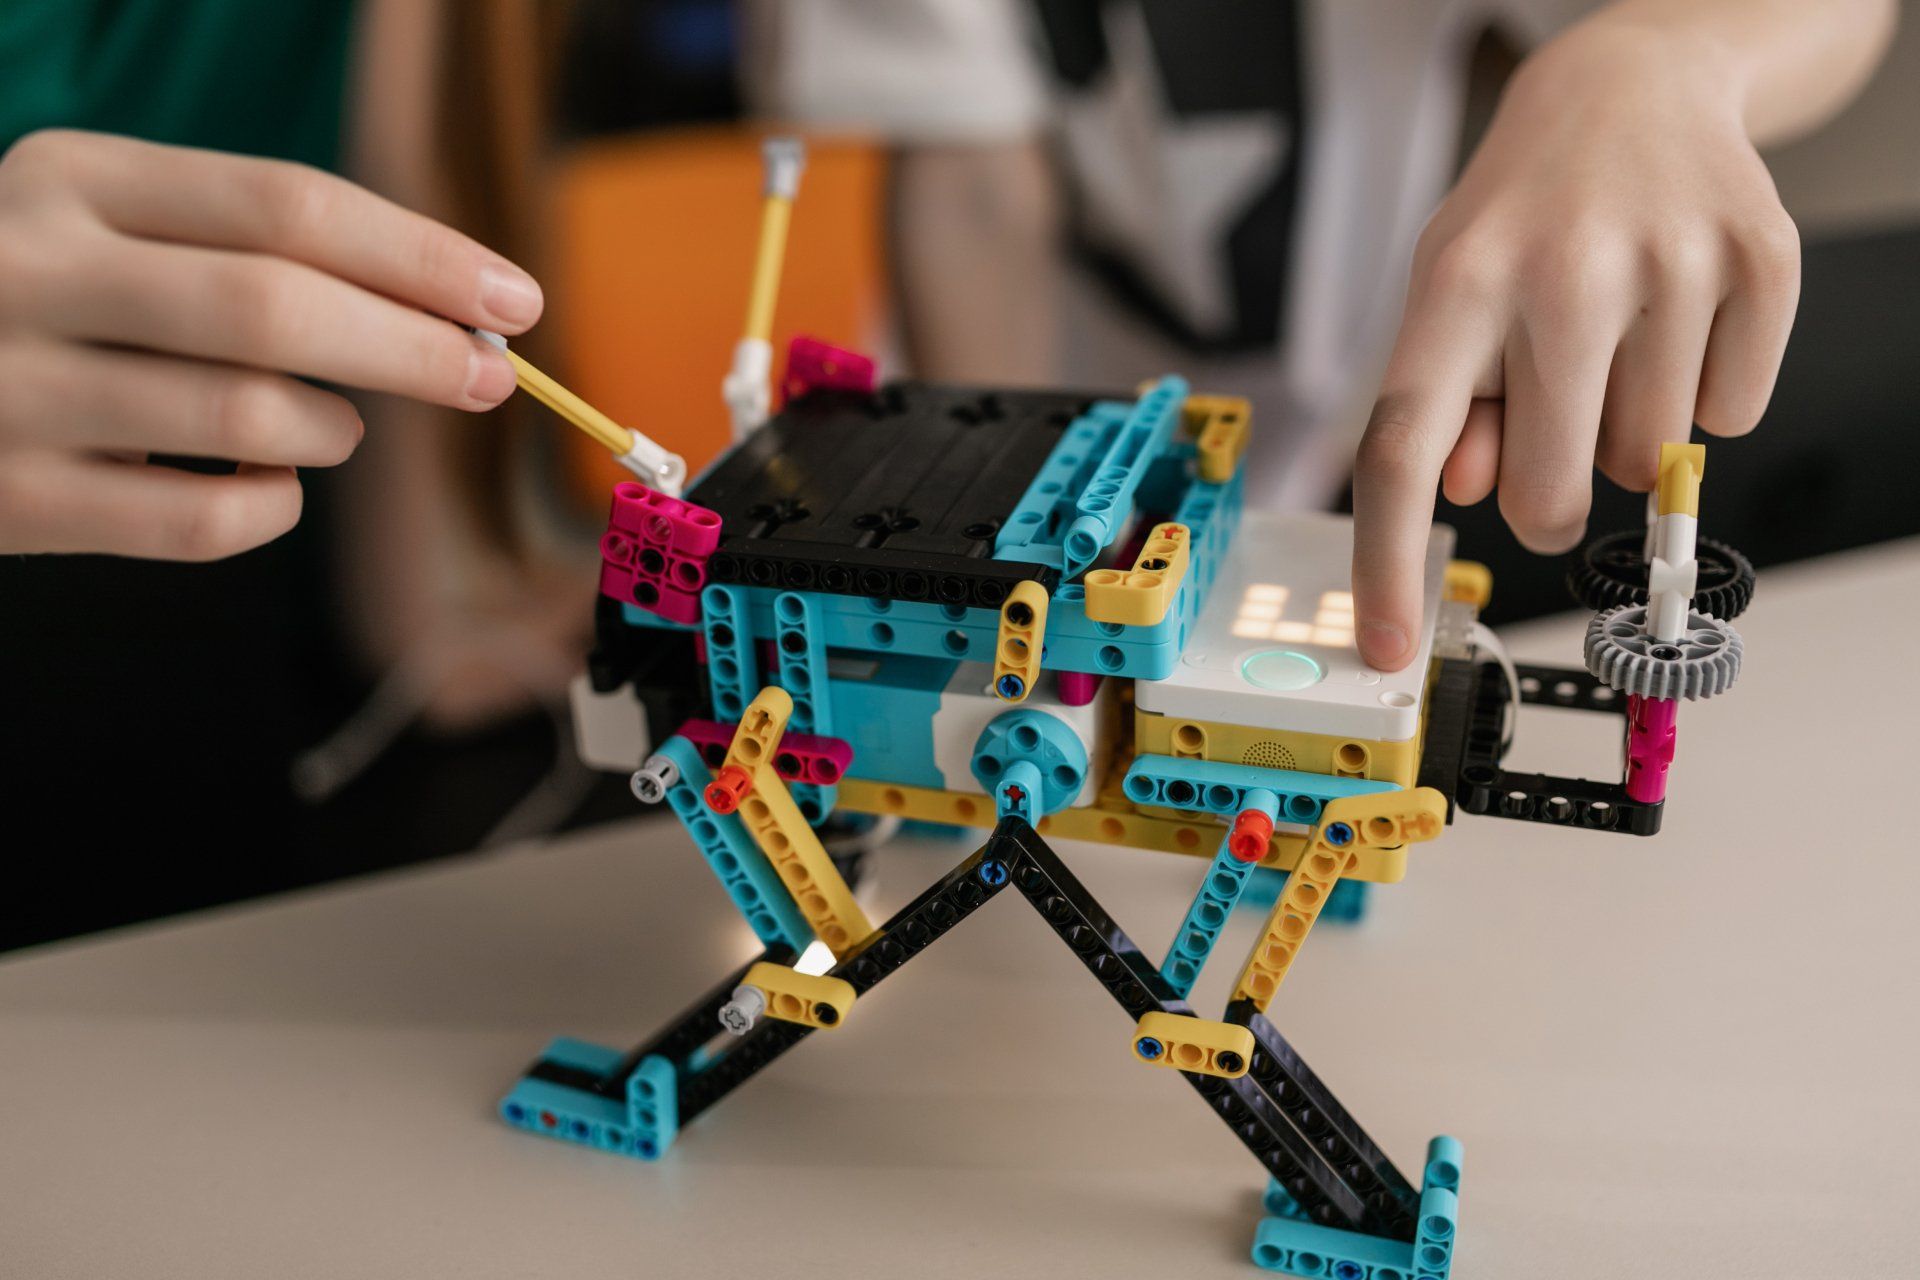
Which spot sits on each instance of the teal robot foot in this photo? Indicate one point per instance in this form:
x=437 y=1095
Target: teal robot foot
x=566 y=1095
x=1285 y=1242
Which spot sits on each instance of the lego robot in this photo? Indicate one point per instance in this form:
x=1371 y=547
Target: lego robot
x=1043 y=614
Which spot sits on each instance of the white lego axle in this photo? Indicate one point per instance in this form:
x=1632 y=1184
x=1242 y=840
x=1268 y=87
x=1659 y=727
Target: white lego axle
x=1672 y=570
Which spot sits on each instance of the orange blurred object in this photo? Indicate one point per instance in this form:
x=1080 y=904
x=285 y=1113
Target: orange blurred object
x=655 y=253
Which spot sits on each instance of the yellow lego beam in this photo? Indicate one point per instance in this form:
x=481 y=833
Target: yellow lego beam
x=1112 y=819
x=776 y=216
x=812 y=1000
x=1023 y=634
x=1220 y=426
x=1142 y=596
x=1187 y=1043
x=608 y=433
x=1395 y=762
x=777 y=826
x=1346 y=827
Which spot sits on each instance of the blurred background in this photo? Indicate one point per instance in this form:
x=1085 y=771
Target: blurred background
x=1076 y=192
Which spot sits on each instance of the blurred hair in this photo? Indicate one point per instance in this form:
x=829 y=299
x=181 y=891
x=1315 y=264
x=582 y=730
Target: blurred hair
x=495 y=121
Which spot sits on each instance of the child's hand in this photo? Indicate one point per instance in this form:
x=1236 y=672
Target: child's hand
x=162 y=300
x=1613 y=267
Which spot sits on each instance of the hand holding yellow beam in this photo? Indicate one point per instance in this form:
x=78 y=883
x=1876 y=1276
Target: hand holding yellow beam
x=664 y=471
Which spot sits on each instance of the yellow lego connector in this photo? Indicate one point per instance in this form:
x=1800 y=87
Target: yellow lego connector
x=778 y=827
x=1142 y=596
x=1186 y=1043
x=1467 y=582
x=812 y=1000
x=1220 y=426
x=1682 y=468
x=1347 y=825
x=1023 y=636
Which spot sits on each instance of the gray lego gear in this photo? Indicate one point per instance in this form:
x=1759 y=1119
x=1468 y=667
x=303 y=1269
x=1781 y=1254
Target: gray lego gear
x=1620 y=651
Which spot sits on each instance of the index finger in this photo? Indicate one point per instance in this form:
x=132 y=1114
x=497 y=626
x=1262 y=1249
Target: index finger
x=1422 y=408
x=293 y=211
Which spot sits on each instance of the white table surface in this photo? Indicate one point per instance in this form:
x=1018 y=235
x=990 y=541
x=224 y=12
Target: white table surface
x=1687 y=1056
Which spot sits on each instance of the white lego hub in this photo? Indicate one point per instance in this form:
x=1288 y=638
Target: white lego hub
x=1274 y=647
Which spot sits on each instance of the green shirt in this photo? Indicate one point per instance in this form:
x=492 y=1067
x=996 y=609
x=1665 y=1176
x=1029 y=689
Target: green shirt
x=200 y=681
x=260 y=77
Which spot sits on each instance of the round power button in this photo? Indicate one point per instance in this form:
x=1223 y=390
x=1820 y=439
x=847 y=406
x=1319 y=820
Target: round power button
x=1281 y=670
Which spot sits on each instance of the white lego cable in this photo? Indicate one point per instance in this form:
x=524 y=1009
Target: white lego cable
x=1488 y=641
x=402 y=696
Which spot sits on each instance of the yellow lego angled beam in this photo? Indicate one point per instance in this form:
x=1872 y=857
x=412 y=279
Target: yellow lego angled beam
x=777 y=826
x=812 y=1000
x=1142 y=596
x=1186 y=1043
x=1023 y=636
x=1682 y=468
x=1220 y=426
x=1347 y=825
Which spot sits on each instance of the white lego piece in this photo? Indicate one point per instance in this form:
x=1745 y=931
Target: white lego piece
x=1672 y=575
x=652 y=780
x=1274 y=646
x=610 y=730
x=968 y=705
x=748 y=386
x=740 y=1013
x=784 y=159
x=660 y=468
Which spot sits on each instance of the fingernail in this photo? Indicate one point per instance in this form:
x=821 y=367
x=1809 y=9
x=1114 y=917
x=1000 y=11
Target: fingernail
x=1382 y=643
x=489 y=376
x=510 y=295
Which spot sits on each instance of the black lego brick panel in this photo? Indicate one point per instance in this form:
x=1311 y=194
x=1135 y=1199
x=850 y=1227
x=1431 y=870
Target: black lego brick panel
x=896 y=494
